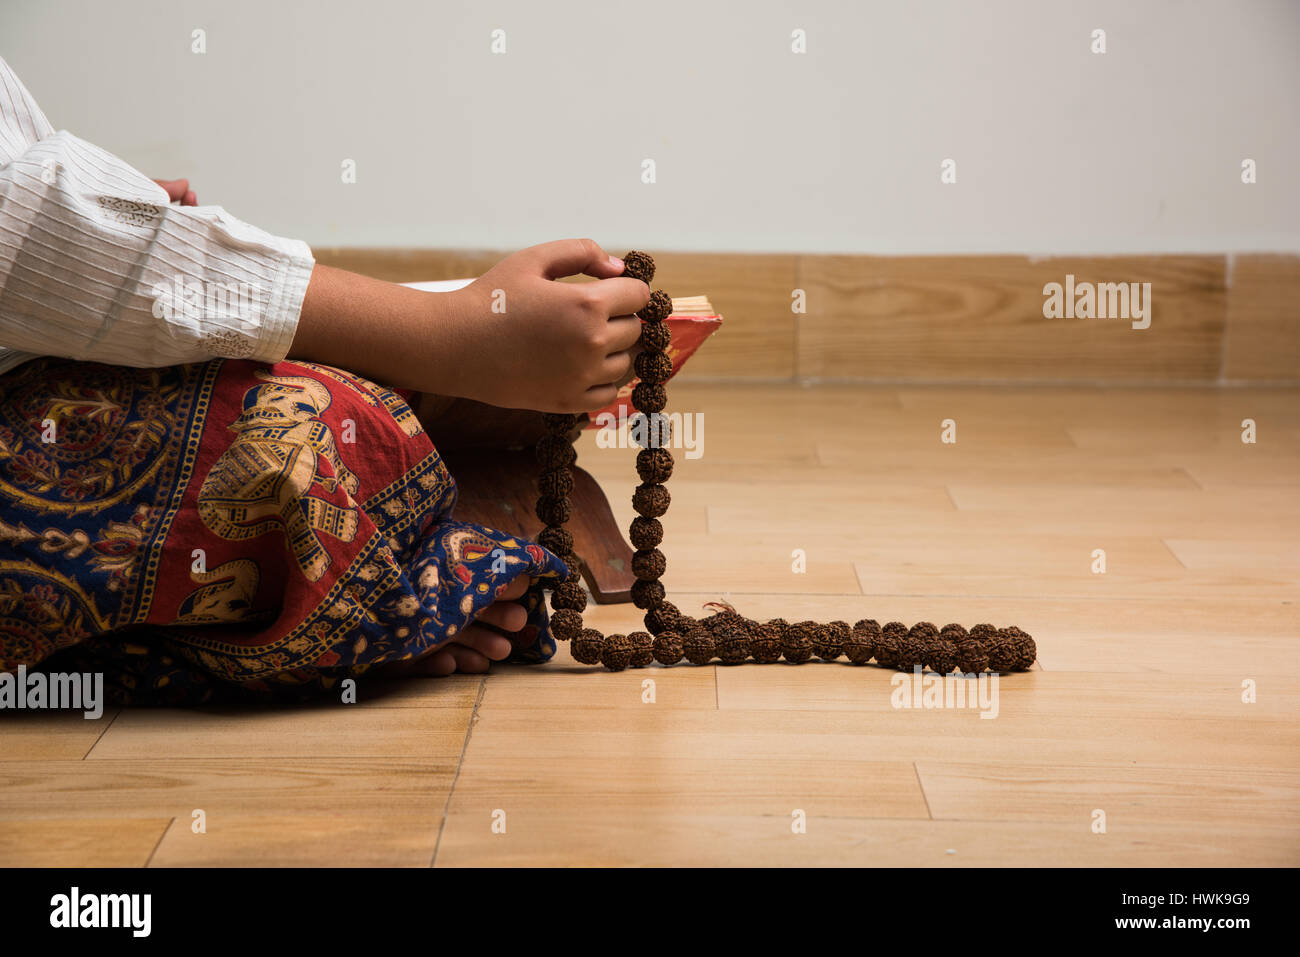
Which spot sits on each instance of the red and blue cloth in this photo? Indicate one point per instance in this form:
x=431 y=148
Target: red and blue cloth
x=231 y=528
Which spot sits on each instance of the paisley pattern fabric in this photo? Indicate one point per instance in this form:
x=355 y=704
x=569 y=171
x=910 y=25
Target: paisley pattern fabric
x=233 y=528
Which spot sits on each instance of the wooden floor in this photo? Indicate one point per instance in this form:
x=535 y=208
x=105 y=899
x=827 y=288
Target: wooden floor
x=1133 y=719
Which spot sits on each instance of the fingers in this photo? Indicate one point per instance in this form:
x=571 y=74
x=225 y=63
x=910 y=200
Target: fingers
x=618 y=297
x=615 y=370
x=177 y=189
x=598 y=396
x=624 y=331
x=572 y=257
x=629 y=373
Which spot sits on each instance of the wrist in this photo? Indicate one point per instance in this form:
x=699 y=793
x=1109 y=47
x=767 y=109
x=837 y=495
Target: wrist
x=446 y=350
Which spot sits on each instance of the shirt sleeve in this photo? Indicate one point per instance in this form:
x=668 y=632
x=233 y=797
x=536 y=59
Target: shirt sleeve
x=97 y=265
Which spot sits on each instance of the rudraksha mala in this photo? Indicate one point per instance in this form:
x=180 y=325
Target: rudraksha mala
x=724 y=634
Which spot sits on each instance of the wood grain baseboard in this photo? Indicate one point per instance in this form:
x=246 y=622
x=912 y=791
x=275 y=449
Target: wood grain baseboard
x=1215 y=319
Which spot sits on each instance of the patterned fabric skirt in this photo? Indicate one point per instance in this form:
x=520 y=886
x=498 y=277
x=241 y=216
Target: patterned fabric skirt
x=232 y=528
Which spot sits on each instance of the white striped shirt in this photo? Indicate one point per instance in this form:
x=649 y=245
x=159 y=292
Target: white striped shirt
x=97 y=265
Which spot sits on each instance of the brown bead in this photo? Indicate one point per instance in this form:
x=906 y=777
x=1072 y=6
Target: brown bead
x=643 y=644
x=649 y=500
x=890 y=643
x=561 y=423
x=652 y=430
x=664 y=617
x=646 y=532
x=655 y=335
x=1003 y=652
x=668 y=649
x=732 y=643
x=911 y=653
x=765 y=642
x=649 y=563
x=646 y=593
x=639 y=265
x=617 y=653
x=942 y=656
x=554 y=511
x=654 y=367
x=972 y=656
x=797 y=642
x=659 y=308
x=861 y=645
x=1026 y=649
x=569 y=595
x=983 y=631
x=588 y=647
x=859 y=648
x=920 y=639
x=555 y=452
x=1028 y=653
x=572 y=563
x=555 y=539
x=723 y=618
x=828 y=641
x=555 y=483
x=654 y=465
x=953 y=632
x=649 y=397
x=698 y=647
x=566 y=624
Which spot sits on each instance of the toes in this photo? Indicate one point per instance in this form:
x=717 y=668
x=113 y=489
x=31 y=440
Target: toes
x=439 y=664
x=506 y=615
x=521 y=639
x=514 y=589
x=487 y=643
x=468 y=661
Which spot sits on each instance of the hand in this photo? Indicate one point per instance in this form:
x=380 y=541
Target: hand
x=178 y=191
x=529 y=342
x=548 y=346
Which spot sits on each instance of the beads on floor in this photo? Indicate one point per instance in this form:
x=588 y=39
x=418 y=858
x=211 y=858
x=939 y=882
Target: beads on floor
x=723 y=634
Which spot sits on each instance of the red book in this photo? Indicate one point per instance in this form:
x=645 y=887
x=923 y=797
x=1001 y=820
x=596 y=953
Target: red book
x=692 y=321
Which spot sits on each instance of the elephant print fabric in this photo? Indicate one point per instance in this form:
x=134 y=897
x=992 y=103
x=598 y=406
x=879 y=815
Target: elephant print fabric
x=231 y=529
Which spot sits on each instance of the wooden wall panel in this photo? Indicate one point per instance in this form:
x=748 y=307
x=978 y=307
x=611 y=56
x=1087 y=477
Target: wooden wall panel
x=1263 y=342
x=980 y=319
x=976 y=319
x=752 y=294
x=410 y=265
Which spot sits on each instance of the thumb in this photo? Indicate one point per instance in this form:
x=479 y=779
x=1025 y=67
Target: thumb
x=572 y=257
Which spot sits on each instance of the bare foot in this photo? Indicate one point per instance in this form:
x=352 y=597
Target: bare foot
x=476 y=647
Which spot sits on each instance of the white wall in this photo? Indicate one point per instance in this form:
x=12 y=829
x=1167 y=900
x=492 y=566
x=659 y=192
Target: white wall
x=1058 y=149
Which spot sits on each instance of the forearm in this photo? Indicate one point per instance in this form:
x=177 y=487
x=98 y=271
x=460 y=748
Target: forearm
x=397 y=336
x=102 y=268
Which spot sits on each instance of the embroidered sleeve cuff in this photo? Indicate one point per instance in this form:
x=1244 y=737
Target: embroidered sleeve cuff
x=279 y=321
